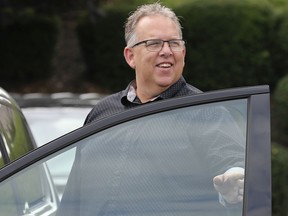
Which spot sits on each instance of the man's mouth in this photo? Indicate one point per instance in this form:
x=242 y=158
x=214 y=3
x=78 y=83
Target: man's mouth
x=165 y=65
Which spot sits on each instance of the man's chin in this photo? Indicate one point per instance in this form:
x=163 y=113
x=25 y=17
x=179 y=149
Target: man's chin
x=166 y=82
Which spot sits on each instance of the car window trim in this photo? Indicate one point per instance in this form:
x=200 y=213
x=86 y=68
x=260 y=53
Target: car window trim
x=259 y=180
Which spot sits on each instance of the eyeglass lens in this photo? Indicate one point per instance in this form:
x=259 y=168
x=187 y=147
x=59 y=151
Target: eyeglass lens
x=157 y=45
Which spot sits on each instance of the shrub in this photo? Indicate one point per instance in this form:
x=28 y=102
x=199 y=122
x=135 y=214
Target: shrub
x=229 y=44
x=27 y=43
x=102 y=44
x=280 y=117
x=279 y=180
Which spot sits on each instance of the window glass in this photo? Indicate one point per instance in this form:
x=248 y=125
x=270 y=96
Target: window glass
x=60 y=167
x=161 y=164
x=30 y=193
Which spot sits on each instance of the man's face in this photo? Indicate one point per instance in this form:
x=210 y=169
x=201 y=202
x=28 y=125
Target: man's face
x=156 y=71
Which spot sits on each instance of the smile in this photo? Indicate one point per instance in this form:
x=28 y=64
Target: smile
x=164 y=65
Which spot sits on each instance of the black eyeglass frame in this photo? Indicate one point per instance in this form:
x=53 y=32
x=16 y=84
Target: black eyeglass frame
x=168 y=41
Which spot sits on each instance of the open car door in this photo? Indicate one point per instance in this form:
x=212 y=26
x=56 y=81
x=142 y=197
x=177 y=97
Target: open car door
x=159 y=159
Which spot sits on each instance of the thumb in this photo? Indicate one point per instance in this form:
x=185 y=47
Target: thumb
x=218 y=180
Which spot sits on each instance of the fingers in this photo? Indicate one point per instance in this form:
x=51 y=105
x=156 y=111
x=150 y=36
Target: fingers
x=238 y=178
x=237 y=200
x=241 y=191
x=230 y=185
x=240 y=183
x=235 y=176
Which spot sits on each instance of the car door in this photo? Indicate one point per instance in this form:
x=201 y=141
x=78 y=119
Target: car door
x=159 y=159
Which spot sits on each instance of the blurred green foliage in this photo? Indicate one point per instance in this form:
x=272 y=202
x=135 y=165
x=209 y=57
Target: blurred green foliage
x=27 y=43
x=102 y=46
x=280 y=116
x=229 y=43
x=281 y=93
x=45 y=6
x=279 y=180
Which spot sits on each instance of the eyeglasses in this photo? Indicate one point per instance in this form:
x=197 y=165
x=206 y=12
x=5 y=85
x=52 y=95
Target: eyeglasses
x=155 y=45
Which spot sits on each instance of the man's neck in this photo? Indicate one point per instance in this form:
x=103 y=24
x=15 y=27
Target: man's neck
x=148 y=96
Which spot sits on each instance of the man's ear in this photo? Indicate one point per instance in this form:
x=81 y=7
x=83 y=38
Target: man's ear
x=184 y=54
x=129 y=57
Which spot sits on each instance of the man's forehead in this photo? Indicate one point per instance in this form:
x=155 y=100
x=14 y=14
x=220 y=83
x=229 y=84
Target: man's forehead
x=149 y=26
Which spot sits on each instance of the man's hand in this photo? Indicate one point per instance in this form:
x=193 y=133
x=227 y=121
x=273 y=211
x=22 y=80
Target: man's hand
x=230 y=185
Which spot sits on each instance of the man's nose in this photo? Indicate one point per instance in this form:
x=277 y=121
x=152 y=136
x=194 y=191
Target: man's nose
x=166 y=47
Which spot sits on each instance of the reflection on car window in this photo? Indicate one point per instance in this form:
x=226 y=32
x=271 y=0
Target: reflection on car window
x=1 y=160
x=15 y=137
x=60 y=171
x=28 y=194
x=161 y=164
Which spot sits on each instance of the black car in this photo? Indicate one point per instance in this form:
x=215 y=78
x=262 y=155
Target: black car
x=158 y=159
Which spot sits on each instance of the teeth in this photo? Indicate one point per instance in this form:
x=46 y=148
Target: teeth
x=165 y=65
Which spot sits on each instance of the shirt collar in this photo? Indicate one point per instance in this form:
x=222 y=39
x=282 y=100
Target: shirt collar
x=129 y=94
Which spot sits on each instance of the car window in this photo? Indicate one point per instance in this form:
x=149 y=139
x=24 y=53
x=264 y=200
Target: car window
x=159 y=164
x=29 y=194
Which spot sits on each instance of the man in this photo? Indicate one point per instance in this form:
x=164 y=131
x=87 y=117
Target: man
x=156 y=51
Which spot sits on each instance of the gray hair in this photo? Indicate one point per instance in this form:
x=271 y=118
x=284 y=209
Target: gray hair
x=147 y=10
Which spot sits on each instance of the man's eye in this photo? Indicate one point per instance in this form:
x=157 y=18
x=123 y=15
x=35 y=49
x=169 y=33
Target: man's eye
x=174 y=43
x=154 y=43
